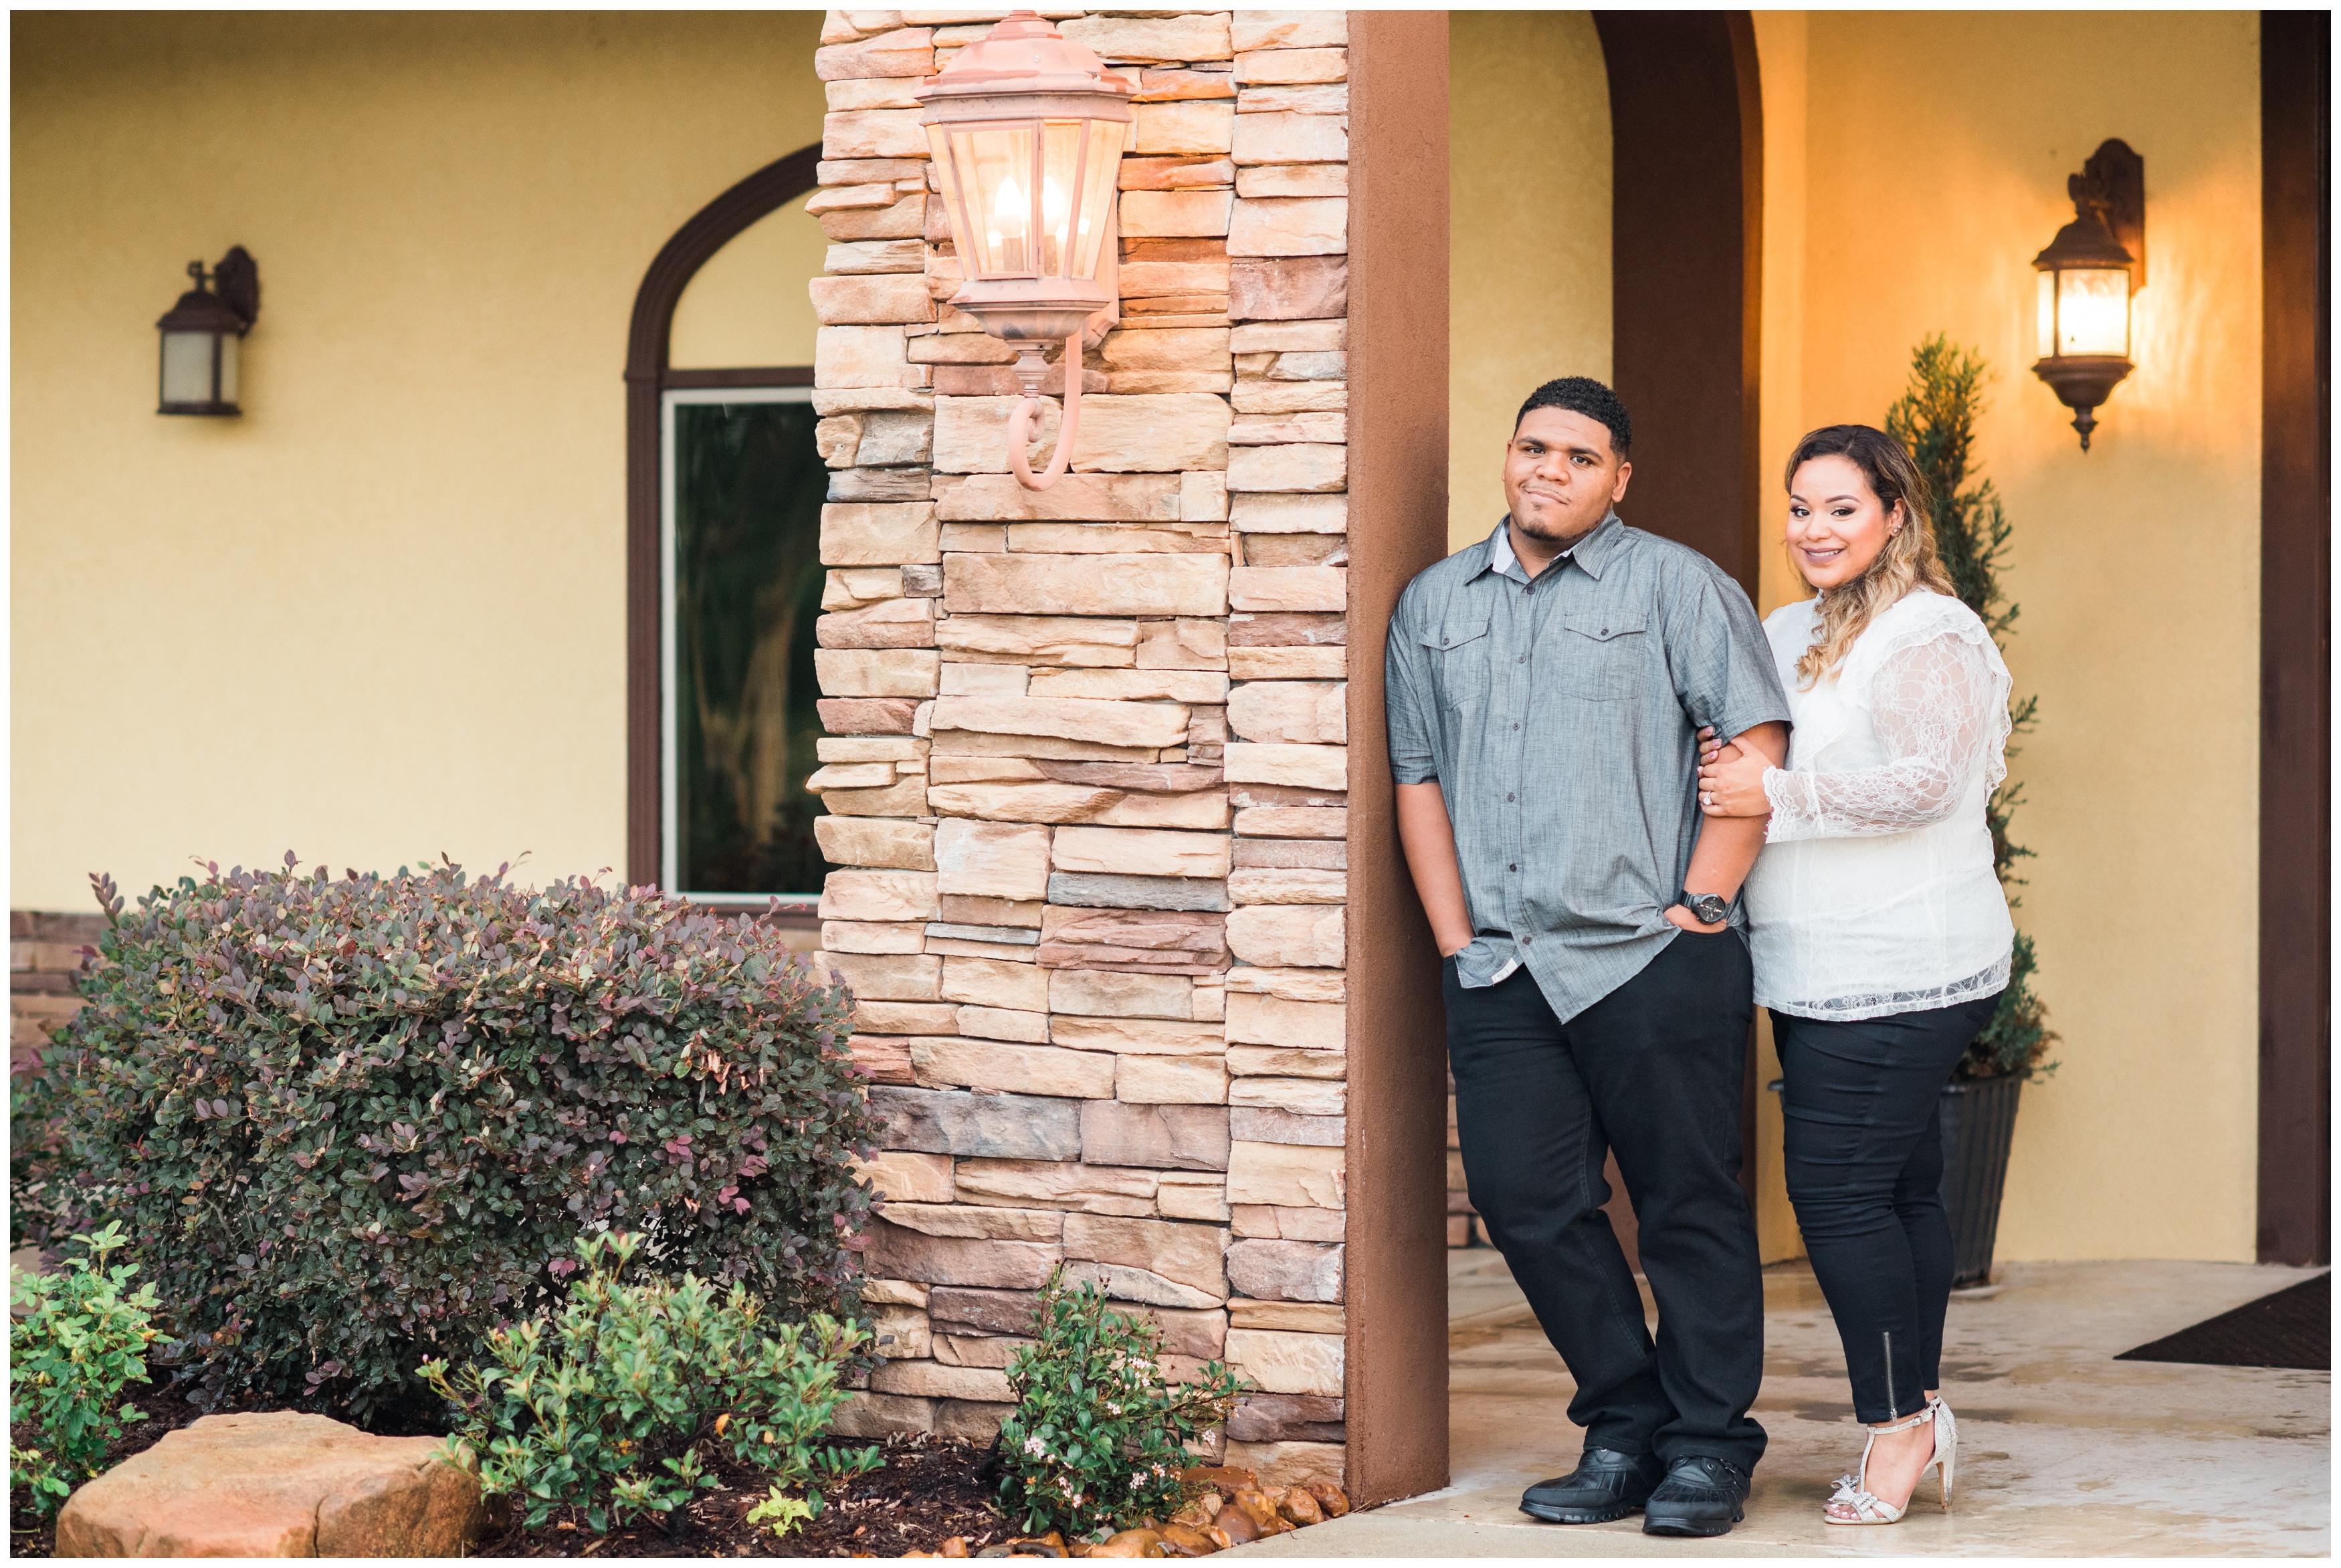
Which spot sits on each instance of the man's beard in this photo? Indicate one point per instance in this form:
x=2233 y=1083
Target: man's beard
x=1557 y=532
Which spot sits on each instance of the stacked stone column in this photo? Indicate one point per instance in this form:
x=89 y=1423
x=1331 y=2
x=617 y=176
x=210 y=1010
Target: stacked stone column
x=1086 y=749
x=44 y=959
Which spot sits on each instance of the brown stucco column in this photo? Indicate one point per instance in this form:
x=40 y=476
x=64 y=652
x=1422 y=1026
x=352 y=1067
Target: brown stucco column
x=2295 y=1222
x=1397 y=1325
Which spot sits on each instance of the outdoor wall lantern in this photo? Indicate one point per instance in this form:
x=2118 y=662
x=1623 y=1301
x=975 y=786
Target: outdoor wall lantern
x=202 y=334
x=1026 y=128
x=2088 y=274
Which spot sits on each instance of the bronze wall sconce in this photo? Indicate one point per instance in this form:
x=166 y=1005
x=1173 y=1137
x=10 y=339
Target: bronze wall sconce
x=202 y=335
x=2089 y=275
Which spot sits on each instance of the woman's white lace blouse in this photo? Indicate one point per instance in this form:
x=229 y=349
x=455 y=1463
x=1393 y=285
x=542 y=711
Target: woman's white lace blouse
x=1875 y=893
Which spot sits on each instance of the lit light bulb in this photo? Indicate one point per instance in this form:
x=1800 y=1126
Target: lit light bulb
x=1008 y=208
x=1055 y=213
x=2094 y=314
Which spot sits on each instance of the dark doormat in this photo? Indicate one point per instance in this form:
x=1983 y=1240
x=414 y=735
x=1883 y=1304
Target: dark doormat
x=2294 y=1328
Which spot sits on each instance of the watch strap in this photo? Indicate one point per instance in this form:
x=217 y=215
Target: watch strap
x=1691 y=901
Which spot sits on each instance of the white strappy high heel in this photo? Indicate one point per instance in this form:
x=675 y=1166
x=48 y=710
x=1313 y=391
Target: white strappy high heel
x=1853 y=1493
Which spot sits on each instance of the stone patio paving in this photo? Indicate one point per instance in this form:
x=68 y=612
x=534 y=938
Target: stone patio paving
x=2065 y=1451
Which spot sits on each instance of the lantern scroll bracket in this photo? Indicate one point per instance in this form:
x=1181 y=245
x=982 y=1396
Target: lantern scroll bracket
x=2117 y=176
x=237 y=280
x=1026 y=129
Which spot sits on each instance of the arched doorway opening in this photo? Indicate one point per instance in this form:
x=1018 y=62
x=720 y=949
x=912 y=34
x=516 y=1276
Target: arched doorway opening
x=723 y=491
x=1679 y=293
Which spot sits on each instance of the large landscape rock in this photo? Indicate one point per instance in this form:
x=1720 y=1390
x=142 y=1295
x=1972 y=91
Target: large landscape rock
x=275 y=1484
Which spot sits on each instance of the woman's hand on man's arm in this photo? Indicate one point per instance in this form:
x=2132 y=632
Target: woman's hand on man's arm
x=1731 y=772
x=1728 y=842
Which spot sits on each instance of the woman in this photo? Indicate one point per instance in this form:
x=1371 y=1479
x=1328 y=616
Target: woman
x=1879 y=931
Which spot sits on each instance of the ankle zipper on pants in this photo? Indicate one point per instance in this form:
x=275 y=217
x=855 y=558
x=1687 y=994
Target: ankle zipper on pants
x=1893 y=1409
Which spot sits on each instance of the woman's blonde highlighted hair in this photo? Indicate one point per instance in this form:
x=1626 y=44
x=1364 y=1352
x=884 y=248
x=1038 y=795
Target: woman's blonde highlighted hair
x=1909 y=559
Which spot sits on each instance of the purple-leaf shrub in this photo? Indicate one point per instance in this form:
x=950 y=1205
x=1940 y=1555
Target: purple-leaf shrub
x=349 y=1125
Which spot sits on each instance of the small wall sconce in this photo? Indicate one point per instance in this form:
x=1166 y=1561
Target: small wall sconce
x=1026 y=128
x=202 y=333
x=2089 y=275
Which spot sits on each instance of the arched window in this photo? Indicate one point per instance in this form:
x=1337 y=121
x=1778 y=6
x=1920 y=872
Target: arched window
x=724 y=490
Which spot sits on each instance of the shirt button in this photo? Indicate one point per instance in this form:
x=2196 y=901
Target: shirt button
x=1511 y=797
x=1512 y=867
x=1516 y=727
x=1528 y=941
x=1524 y=659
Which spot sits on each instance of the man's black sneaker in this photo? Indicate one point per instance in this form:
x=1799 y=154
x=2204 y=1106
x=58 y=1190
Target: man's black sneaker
x=1605 y=1485
x=1700 y=1496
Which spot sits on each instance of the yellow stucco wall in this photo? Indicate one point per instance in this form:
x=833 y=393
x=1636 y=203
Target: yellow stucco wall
x=382 y=615
x=1915 y=162
x=1528 y=249
x=748 y=305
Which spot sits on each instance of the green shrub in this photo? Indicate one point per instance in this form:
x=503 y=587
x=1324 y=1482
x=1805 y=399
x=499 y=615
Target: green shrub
x=354 y=1124
x=608 y=1403
x=82 y=1341
x=1096 y=1440
x=1936 y=418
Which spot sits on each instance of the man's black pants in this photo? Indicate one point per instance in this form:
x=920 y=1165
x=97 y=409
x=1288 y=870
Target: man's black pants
x=1864 y=1154
x=1655 y=1071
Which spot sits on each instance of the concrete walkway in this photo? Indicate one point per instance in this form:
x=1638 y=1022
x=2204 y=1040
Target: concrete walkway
x=2064 y=1451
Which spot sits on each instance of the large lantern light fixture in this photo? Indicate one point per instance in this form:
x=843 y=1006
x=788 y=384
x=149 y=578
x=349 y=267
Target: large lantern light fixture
x=2089 y=275
x=203 y=335
x=1026 y=128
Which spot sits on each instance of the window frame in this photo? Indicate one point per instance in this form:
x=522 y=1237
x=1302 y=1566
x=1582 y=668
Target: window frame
x=670 y=796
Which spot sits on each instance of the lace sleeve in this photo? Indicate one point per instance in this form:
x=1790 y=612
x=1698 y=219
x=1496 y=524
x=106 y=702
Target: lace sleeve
x=1940 y=708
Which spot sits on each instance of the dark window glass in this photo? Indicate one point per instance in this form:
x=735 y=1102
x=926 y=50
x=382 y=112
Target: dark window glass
x=747 y=490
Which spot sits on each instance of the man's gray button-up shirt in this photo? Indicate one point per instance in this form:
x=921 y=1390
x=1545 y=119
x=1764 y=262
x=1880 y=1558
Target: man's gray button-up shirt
x=1559 y=716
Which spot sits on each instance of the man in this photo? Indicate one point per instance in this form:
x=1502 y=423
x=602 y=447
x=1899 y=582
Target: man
x=1546 y=688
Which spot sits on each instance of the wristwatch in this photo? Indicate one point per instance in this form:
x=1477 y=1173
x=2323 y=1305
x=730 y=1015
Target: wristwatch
x=1712 y=909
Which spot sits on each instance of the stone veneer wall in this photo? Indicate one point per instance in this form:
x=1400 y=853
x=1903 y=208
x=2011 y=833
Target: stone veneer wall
x=44 y=953
x=1087 y=748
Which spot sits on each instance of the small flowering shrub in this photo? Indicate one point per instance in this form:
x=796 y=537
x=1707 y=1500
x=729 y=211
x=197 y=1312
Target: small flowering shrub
x=1096 y=1440
x=352 y=1124
x=608 y=1404
x=82 y=1340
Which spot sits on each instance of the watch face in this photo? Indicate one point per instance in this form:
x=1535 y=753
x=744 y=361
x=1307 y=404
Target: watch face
x=1709 y=909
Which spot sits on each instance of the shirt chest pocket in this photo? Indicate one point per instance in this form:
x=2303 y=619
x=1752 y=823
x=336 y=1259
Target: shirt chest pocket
x=1458 y=655
x=1602 y=654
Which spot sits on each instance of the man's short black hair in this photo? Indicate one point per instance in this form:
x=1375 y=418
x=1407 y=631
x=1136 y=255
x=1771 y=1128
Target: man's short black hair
x=1583 y=394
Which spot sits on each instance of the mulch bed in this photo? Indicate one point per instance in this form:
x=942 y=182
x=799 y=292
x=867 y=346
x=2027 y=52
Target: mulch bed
x=926 y=1492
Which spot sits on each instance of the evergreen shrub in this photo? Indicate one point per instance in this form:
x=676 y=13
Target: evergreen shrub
x=80 y=1342
x=608 y=1404
x=349 y=1125
x=1097 y=1440
x=1935 y=419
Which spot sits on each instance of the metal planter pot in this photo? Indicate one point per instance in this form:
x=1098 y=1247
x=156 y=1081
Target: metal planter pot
x=1978 y=1127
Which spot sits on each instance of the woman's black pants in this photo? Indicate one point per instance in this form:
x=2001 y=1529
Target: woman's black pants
x=1864 y=1157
